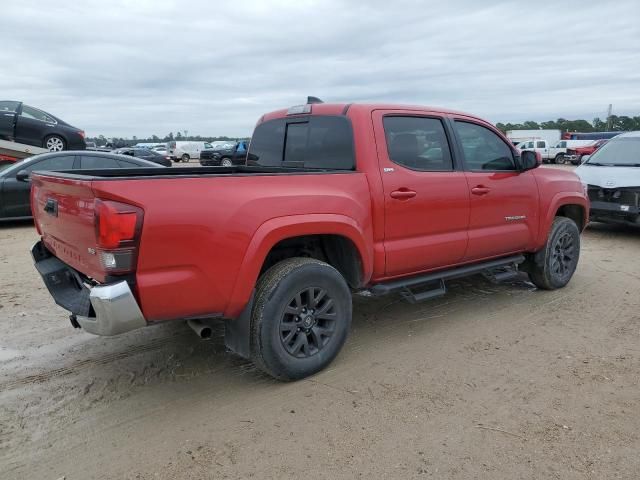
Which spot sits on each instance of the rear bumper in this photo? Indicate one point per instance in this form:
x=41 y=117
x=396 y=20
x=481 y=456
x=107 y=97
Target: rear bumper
x=108 y=309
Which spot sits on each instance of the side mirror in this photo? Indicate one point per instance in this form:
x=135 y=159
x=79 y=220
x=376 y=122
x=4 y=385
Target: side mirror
x=23 y=176
x=529 y=160
x=584 y=158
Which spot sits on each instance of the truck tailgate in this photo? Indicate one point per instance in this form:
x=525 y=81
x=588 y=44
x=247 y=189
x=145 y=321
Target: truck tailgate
x=63 y=210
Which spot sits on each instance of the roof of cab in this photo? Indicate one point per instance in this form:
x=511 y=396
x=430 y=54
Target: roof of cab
x=635 y=133
x=344 y=108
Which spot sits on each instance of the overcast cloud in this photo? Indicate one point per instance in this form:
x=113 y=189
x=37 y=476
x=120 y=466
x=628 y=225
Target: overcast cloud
x=138 y=67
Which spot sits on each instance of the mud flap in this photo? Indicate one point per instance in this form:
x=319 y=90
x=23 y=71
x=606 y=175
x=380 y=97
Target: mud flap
x=237 y=332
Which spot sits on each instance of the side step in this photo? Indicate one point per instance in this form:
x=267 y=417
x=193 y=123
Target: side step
x=495 y=270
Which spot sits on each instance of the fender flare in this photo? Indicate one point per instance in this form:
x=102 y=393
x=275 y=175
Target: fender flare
x=559 y=200
x=280 y=228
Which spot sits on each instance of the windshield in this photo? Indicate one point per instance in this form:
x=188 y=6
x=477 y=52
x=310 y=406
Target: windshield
x=621 y=151
x=223 y=146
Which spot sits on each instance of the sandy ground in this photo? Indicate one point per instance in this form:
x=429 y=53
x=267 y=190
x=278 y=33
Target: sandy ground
x=491 y=381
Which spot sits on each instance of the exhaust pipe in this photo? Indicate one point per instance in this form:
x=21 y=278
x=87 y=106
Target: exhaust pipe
x=202 y=329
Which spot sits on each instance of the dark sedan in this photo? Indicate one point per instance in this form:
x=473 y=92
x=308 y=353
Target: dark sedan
x=15 y=184
x=25 y=124
x=145 y=154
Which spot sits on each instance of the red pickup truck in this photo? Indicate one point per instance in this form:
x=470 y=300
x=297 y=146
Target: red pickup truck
x=334 y=199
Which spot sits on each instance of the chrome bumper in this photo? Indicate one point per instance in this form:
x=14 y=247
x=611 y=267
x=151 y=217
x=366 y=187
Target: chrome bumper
x=107 y=309
x=116 y=310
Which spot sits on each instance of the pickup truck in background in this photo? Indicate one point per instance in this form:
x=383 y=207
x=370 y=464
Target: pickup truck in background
x=335 y=199
x=553 y=154
x=575 y=154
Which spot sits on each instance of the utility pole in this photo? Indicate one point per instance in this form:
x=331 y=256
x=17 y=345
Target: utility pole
x=609 y=117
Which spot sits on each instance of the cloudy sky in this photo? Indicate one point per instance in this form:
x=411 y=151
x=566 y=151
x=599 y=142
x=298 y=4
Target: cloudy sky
x=142 y=67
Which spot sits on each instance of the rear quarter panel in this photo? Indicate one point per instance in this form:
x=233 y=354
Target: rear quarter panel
x=196 y=252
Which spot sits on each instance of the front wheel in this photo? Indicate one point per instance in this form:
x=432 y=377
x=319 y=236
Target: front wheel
x=560 y=159
x=226 y=162
x=300 y=319
x=54 y=143
x=555 y=264
x=185 y=158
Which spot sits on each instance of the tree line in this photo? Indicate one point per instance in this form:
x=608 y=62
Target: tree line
x=616 y=123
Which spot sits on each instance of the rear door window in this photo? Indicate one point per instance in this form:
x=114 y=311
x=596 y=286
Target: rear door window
x=418 y=143
x=319 y=142
x=9 y=106
x=35 y=114
x=540 y=145
x=61 y=162
x=91 y=161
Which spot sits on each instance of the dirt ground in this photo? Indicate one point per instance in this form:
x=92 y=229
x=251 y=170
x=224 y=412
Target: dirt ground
x=490 y=381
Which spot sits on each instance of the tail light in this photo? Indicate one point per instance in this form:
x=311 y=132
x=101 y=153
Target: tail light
x=118 y=229
x=81 y=133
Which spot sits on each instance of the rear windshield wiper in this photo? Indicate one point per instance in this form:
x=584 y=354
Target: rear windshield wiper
x=626 y=164
x=595 y=164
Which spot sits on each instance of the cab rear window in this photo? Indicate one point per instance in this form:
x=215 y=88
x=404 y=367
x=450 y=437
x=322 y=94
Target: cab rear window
x=317 y=142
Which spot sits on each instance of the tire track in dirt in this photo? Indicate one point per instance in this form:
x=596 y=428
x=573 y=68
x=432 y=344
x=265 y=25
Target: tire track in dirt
x=80 y=365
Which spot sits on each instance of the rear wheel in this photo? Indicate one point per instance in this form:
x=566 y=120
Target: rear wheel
x=226 y=162
x=54 y=143
x=555 y=264
x=300 y=319
x=185 y=158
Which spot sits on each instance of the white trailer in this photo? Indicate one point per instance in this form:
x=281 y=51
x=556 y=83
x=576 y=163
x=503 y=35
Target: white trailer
x=518 y=136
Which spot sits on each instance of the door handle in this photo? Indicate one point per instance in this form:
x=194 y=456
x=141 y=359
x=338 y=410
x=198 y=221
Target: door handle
x=9 y=114
x=480 y=190
x=403 y=194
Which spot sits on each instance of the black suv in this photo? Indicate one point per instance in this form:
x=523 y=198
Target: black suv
x=234 y=154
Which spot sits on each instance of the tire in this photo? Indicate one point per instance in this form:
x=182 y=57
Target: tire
x=185 y=158
x=288 y=341
x=226 y=162
x=555 y=264
x=560 y=159
x=54 y=143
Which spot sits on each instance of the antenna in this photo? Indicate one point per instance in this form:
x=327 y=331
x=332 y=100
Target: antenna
x=311 y=100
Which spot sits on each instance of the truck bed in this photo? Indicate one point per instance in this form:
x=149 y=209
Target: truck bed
x=182 y=172
x=199 y=227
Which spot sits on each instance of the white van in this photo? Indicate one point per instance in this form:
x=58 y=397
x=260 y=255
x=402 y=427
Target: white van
x=185 y=151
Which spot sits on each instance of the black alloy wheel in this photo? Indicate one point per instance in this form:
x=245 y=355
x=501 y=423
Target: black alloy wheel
x=308 y=322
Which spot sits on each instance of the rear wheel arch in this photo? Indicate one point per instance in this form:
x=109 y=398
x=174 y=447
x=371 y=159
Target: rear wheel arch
x=336 y=250
x=285 y=237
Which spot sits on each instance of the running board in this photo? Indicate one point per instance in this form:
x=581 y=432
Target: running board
x=495 y=270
